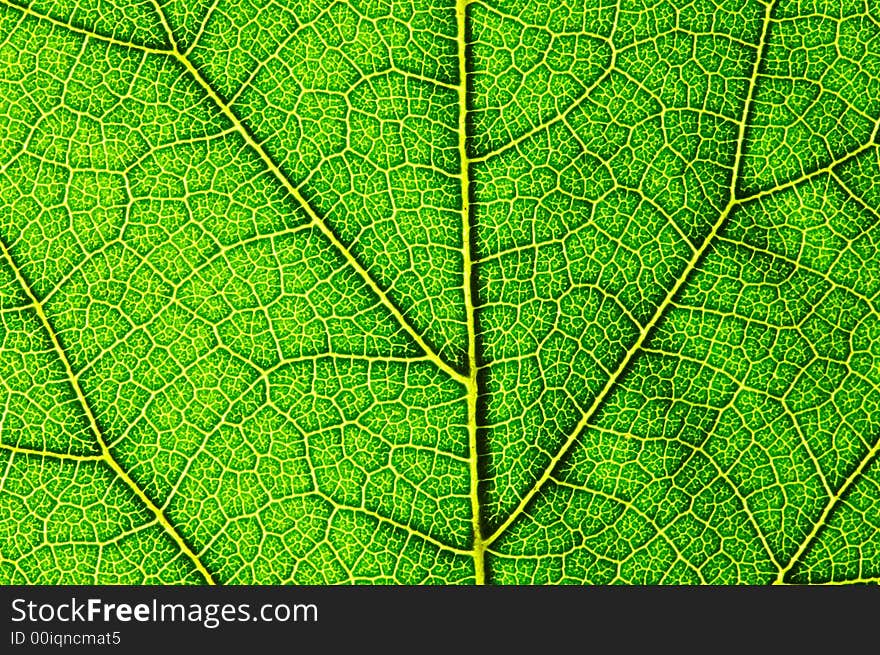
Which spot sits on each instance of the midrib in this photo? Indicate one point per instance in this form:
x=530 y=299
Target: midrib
x=472 y=384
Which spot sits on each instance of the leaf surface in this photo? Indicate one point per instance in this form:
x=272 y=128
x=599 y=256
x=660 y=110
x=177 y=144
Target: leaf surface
x=436 y=292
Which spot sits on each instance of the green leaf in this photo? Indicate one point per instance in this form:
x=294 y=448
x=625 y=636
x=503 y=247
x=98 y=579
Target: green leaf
x=429 y=292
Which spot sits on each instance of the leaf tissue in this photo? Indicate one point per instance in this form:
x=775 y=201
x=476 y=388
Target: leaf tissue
x=423 y=291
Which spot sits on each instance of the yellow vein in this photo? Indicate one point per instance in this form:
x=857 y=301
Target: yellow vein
x=397 y=525
x=315 y=219
x=612 y=381
x=202 y=25
x=658 y=314
x=18 y=450
x=90 y=417
x=82 y=31
x=829 y=508
x=827 y=169
x=547 y=124
x=833 y=583
x=471 y=383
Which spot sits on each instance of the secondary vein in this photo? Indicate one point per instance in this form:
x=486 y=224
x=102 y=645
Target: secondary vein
x=27 y=11
x=660 y=312
x=239 y=127
x=33 y=452
x=826 y=511
x=106 y=455
x=316 y=220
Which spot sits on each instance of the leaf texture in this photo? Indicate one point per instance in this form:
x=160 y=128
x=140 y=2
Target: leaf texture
x=439 y=292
